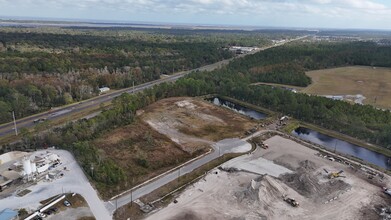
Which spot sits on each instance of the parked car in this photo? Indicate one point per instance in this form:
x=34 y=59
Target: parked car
x=42 y=215
x=66 y=203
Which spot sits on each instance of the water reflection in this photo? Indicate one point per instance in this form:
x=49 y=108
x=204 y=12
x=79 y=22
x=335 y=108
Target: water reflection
x=341 y=146
x=238 y=108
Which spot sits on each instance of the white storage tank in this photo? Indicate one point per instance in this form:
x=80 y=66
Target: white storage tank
x=33 y=167
x=27 y=166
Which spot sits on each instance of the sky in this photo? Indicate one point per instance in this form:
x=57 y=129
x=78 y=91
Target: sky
x=362 y=14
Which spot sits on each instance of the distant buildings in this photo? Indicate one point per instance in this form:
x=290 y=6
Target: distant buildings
x=242 y=50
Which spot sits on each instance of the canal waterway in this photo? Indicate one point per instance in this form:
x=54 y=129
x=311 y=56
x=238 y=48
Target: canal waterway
x=238 y=108
x=334 y=144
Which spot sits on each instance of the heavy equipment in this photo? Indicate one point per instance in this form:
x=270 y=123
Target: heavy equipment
x=332 y=175
x=290 y=201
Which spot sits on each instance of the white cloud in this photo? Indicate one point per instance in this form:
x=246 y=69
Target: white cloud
x=245 y=10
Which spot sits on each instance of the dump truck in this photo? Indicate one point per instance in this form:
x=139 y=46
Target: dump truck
x=291 y=201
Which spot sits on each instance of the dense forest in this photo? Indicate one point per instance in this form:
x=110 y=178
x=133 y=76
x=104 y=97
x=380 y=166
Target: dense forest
x=287 y=64
x=43 y=70
x=361 y=121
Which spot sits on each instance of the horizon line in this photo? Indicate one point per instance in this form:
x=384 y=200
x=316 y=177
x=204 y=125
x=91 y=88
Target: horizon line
x=128 y=23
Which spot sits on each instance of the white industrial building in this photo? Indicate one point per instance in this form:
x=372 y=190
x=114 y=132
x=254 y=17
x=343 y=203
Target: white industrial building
x=37 y=165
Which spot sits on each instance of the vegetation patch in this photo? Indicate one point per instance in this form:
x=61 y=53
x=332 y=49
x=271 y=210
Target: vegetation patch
x=371 y=82
x=140 y=152
x=194 y=122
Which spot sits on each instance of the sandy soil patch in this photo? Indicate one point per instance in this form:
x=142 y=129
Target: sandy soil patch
x=193 y=123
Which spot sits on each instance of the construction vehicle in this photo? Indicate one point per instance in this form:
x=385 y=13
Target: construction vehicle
x=387 y=191
x=290 y=201
x=333 y=175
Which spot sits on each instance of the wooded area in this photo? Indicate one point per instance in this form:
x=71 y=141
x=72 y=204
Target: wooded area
x=43 y=70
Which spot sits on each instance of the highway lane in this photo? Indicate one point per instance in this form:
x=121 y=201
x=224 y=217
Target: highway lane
x=62 y=112
x=28 y=122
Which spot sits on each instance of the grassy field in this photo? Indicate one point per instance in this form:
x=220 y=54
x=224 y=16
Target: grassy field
x=141 y=152
x=373 y=83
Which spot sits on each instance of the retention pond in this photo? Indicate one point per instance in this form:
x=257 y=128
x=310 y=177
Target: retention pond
x=334 y=144
x=238 y=108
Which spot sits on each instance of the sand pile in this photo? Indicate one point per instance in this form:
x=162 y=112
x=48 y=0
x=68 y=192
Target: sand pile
x=270 y=190
x=263 y=190
x=307 y=184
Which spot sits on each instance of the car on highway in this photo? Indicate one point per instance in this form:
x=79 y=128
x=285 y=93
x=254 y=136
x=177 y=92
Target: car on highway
x=66 y=203
x=39 y=120
x=42 y=215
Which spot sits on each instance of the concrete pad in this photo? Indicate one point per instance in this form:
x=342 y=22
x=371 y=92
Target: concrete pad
x=256 y=165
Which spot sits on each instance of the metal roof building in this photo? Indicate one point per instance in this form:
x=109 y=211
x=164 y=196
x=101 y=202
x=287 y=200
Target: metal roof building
x=8 y=214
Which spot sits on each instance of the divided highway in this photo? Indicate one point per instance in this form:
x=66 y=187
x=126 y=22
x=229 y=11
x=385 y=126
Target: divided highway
x=62 y=112
x=28 y=122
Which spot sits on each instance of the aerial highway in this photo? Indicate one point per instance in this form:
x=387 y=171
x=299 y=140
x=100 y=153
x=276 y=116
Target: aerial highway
x=28 y=122
x=65 y=111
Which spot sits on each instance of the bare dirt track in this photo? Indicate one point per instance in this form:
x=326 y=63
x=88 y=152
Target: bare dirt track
x=244 y=195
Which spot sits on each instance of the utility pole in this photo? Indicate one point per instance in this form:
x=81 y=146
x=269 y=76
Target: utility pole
x=92 y=170
x=16 y=129
x=133 y=87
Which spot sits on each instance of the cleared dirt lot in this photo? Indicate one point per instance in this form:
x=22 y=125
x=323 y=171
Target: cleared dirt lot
x=165 y=135
x=373 y=83
x=244 y=195
x=194 y=123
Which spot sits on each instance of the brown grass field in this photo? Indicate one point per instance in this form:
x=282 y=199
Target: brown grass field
x=141 y=152
x=194 y=123
x=373 y=83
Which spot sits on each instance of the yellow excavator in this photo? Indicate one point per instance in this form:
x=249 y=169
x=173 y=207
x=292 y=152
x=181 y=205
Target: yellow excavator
x=332 y=175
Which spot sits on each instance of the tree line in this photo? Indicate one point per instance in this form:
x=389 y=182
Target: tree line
x=39 y=71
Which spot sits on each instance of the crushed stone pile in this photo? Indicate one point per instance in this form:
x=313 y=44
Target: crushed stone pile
x=263 y=190
x=307 y=184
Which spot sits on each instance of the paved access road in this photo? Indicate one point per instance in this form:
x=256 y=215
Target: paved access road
x=220 y=148
x=63 y=112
